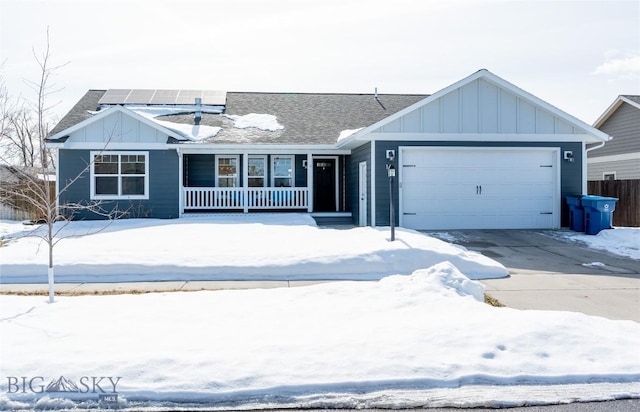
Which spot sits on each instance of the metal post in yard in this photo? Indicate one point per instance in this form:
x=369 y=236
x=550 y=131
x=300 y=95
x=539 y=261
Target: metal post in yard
x=392 y=218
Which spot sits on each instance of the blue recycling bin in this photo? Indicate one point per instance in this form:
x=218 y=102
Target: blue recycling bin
x=598 y=213
x=576 y=213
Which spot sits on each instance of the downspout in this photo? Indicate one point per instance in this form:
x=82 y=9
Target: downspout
x=584 y=165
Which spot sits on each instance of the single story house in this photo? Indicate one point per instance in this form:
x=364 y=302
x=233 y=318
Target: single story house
x=481 y=153
x=618 y=159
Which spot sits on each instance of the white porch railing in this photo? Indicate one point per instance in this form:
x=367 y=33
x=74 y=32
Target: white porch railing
x=201 y=198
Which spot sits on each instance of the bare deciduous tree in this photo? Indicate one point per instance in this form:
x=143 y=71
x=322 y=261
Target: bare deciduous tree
x=35 y=185
x=37 y=193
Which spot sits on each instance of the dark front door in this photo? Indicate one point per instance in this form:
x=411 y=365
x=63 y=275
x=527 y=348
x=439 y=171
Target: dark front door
x=324 y=185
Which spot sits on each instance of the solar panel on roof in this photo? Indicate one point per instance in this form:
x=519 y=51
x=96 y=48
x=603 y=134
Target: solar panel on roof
x=188 y=96
x=114 y=96
x=214 y=97
x=140 y=96
x=163 y=96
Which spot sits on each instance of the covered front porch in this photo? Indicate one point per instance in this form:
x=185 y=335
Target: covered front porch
x=246 y=198
x=262 y=182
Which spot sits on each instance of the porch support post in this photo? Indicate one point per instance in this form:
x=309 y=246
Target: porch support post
x=373 y=183
x=245 y=181
x=310 y=181
x=180 y=183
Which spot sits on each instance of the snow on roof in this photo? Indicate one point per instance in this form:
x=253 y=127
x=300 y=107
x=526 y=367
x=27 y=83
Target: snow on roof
x=267 y=122
x=51 y=177
x=166 y=110
x=346 y=133
x=260 y=121
x=188 y=131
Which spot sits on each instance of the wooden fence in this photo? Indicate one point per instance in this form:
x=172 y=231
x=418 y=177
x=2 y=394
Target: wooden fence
x=13 y=207
x=627 y=211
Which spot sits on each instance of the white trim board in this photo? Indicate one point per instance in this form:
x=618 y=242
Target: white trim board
x=478 y=137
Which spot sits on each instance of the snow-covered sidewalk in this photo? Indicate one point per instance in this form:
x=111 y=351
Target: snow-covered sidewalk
x=404 y=341
x=230 y=247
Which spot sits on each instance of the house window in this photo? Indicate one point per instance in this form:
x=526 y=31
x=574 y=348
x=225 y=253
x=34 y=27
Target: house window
x=257 y=168
x=282 y=171
x=227 y=171
x=122 y=175
x=609 y=176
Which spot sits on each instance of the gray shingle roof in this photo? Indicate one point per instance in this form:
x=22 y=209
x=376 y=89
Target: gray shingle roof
x=632 y=97
x=79 y=112
x=308 y=118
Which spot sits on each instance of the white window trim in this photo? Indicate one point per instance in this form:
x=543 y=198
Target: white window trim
x=237 y=176
x=264 y=177
x=94 y=196
x=293 y=169
x=604 y=175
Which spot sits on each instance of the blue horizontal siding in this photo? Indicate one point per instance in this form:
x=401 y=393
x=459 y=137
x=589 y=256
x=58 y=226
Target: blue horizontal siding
x=74 y=185
x=359 y=154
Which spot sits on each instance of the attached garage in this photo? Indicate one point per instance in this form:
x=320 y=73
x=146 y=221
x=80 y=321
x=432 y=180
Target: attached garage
x=479 y=188
x=479 y=154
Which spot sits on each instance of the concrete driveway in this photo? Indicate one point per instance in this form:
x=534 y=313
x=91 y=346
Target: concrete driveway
x=550 y=273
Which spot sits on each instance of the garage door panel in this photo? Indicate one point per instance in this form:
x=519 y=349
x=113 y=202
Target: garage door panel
x=466 y=221
x=477 y=188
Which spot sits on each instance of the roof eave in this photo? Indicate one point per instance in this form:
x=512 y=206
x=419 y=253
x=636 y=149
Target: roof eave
x=598 y=135
x=612 y=109
x=104 y=113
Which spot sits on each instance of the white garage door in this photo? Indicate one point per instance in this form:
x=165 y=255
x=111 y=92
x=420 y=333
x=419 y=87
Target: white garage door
x=477 y=188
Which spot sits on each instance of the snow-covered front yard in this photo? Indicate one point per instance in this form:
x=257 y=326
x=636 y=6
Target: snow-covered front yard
x=261 y=246
x=420 y=338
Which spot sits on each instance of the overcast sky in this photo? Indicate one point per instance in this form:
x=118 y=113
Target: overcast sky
x=576 y=55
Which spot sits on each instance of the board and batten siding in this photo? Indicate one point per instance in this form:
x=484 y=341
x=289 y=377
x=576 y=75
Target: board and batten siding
x=359 y=154
x=480 y=107
x=163 y=202
x=118 y=127
x=624 y=126
x=570 y=172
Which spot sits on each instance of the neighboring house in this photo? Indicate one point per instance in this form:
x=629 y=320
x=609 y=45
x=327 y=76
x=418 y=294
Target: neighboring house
x=619 y=159
x=8 y=209
x=481 y=153
x=15 y=181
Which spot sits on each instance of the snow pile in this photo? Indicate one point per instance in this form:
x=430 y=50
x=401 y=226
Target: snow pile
x=323 y=345
x=346 y=133
x=267 y=122
x=238 y=247
x=623 y=241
